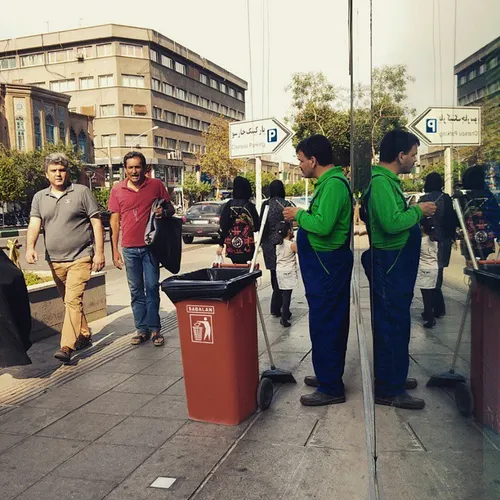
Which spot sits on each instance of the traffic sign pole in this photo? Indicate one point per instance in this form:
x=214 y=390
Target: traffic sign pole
x=448 y=173
x=258 y=183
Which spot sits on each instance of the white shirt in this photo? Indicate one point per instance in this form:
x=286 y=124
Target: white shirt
x=285 y=257
x=428 y=254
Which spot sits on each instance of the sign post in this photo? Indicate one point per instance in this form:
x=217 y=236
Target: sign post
x=449 y=127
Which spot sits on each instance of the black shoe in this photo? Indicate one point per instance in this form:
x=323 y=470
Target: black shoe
x=64 y=354
x=285 y=323
x=411 y=383
x=276 y=315
x=289 y=315
x=430 y=324
x=82 y=342
x=404 y=401
x=321 y=399
x=311 y=381
x=439 y=314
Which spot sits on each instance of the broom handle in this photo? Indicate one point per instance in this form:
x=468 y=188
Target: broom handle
x=259 y=238
x=264 y=330
x=461 y=329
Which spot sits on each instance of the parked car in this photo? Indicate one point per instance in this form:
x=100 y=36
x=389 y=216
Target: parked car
x=202 y=220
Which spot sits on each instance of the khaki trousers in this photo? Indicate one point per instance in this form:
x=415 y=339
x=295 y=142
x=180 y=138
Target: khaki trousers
x=71 y=279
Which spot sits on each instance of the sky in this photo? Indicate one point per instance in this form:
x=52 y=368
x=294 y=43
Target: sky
x=284 y=37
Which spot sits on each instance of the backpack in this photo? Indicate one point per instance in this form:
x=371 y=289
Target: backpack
x=240 y=238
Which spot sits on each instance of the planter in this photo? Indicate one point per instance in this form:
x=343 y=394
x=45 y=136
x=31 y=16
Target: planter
x=47 y=307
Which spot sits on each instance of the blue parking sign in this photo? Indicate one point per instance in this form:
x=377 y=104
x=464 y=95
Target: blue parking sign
x=272 y=135
x=431 y=125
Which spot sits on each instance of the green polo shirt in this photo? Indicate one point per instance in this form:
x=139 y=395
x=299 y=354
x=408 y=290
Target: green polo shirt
x=328 y=220
x=390 y=219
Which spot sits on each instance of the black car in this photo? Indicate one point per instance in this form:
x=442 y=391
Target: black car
x=202 y=220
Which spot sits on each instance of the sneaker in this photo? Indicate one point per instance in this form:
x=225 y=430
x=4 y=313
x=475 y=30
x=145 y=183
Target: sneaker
x=321 y=399
x=82 y=342
x=404 y=401
x=64 y=354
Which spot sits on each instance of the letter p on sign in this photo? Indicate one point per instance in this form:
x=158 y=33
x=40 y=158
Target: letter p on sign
x=272 y=135
x=431 y=125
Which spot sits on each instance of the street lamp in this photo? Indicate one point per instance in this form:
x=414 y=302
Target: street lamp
x=140 y=135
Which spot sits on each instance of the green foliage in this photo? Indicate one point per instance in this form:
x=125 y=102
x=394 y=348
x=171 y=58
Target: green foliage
x=299 y=188
x=456 y=167
x=412 y=185
x=266 y=179
x=195 y=191
x=34 y=279
x=102 y=197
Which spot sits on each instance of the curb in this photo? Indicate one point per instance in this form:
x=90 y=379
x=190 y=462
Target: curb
x=9 y=233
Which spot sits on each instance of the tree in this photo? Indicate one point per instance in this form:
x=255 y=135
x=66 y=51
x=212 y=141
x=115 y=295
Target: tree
x=457 y=169
x=216 y=161
x=267 y=178
x=102 y=197
x=194 y=190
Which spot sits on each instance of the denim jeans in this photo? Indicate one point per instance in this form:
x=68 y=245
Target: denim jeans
x=143 y=276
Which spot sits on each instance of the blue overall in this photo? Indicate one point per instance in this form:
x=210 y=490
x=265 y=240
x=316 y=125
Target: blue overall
x=327 y=281
x=392 y=275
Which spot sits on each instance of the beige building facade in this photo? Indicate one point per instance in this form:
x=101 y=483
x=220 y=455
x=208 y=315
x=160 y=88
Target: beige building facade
x=146 y=91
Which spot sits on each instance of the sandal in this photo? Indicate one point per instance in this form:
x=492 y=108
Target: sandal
x=140 y=338
x=158 y=340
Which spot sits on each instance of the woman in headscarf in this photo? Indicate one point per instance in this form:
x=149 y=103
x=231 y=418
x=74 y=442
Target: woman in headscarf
x=239 y=220
x=271 y=238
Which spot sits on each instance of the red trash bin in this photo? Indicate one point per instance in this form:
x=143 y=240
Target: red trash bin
x=216 y=311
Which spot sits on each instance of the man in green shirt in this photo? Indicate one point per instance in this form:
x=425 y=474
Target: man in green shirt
x=391 y=266
x=326 y=262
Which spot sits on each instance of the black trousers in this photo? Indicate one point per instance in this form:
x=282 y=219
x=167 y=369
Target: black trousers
x=428 y=298
x=285 y=309
x=277 y=297
x=438 y=306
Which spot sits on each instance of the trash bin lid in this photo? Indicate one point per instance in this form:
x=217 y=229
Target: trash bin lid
x=488 y=275
x=208 y=284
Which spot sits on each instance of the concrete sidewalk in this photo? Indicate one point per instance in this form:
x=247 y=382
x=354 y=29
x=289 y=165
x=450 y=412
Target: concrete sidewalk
x=109 y=425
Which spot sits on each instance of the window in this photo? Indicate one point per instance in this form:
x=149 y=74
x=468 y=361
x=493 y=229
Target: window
x=104 y=50
x=180 y=68
x=38 y=133
x=167 y=89
x=128 y=110
x=213 y=83
x=482 y=68
x=107 y=109
x=7 y=63
x=62 y=132
x=205 y=126
x=50 y=129
x=223 y=88
x=239 y=96
x=109 y=140
x=223 y=109
x=184 y=146
x=166 y=61
x=492 y=63
x=87 y=83
x=472 y=96
x=203 y=78
x=60 y=56
x=82 y=144
x=169 y=117
x=492 y=87
x=205 y=103
x=62 y=85
x=240 y=115
x=171 y=144
x=153 y=55
x=215 y=106
x=73 y=139
x=232 y=113
x=472 y=74
x=158 y=141
x=193 y=99
x=462 y=80
x=195 y=124
x=232 y=92
x=182 y=120
x=155 y=84
x=195 y=148
x=130 y=50
x=20 y=134
x=481 y=92
x=136 y=81
x=85 y=52
x=461 y=101
x=180 y=94
x=132 y=140
x=42 y=85
x=32 y=60
x=106 y=80
x=156 y=113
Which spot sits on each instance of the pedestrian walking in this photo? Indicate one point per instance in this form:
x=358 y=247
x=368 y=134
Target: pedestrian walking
x=130 y=204
x=74 y=246
x=271 y=237
x=238 y=222
x=326 y=260
x=391 y=266
x=286 y=270
x=444 y=227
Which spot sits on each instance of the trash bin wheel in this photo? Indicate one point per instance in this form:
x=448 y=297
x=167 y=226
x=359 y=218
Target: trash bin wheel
x=265 y=392
x=464 y=399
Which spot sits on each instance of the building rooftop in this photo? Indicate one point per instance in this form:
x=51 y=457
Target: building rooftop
x=478 y=55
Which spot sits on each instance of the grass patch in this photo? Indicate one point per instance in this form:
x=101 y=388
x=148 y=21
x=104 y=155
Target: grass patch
x=35 y=279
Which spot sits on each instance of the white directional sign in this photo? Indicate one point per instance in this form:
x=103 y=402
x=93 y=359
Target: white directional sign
x=460 y=126
x=257 y=137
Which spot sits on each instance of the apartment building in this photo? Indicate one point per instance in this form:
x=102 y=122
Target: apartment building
x=146 y=91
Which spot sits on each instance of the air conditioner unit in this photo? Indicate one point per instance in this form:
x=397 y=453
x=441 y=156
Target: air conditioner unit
x=80 y=57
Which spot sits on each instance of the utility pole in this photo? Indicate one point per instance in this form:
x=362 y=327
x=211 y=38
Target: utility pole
x=448 y=173
x=258 y=183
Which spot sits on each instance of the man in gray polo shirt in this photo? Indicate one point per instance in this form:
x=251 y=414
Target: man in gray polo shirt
x=72 y=227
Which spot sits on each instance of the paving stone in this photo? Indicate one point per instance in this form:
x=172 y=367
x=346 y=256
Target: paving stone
x=142 y=431
x=202 y=429
x=121 y=365
x=41 y=454
x=104 y=462
x=177 y=389
x=81 y=425
x=62 y=398
x=52 y=487
x=164 y=367
x=9 y=440
x=25 y=420
x=148 y=352
x=14 y=482
x=117 y=403
x=97 y=381
x=146 y=384
x=167 y=407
